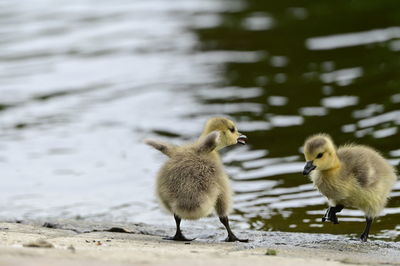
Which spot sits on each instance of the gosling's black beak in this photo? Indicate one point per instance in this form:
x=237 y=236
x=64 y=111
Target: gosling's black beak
x=308 y=168
x=242 y=139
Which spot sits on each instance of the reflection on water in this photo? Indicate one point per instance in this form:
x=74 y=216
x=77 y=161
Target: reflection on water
x=82 y=84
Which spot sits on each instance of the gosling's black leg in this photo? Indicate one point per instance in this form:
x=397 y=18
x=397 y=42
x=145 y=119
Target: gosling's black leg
x=330 y=214
x=364 y=235
x=326 y=215
x=231 y=236
x=178 y=235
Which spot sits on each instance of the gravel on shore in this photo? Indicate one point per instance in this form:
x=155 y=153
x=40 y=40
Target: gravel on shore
x=70 y=242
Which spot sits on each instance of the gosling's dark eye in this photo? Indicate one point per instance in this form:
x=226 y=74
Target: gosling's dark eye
x=320 y=155
x=232 y=129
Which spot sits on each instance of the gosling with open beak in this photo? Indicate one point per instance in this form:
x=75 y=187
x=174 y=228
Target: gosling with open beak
x=242 y=139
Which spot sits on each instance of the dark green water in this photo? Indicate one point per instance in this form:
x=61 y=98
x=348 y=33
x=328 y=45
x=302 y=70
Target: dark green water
x=320 y=66
x=82 y=83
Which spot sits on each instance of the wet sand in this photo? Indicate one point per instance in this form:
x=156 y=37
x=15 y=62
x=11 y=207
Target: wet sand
x=82 y=243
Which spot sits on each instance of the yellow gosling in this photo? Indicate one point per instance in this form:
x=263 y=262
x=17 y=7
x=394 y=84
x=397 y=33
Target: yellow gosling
x=353 y=176
x=193 y=183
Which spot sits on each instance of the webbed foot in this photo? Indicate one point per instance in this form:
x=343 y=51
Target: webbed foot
x=233 y=238
x=178 y=237
x=330 y=214
x=364 y=237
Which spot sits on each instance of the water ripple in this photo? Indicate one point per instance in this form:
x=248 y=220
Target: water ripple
x=352 y=39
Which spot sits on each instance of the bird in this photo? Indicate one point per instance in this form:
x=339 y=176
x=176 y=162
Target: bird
x=192 y=183
x=353 y=176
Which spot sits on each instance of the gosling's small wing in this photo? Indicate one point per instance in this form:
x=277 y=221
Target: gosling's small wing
x=209 y=142
x=166 y=148
x=363 y=163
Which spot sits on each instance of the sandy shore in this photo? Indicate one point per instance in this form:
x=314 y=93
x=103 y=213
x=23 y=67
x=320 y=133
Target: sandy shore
x=82 y=243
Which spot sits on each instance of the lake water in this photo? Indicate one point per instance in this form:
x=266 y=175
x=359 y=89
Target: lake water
x=82 y=83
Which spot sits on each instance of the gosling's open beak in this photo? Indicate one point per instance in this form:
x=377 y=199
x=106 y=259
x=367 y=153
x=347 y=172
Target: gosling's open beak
x=308 y=168
x=242 y=139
